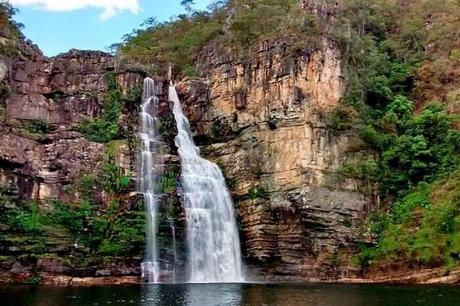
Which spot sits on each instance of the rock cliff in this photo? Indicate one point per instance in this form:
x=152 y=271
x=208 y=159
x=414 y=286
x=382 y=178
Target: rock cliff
x=56 y=93
x=261 y=118
x=43 y=154
x=262 y=121
x=261 y=115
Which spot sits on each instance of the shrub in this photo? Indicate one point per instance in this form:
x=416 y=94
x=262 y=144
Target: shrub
x=105 y=128
x=7 y=12
x=176 y=42
x=341 y=118
x=423 y=227
x=168 y=182
x=257 y=192
x=235 y=26
x=33 y=280
x=37 y=126
x=99 y=130
x=25 y=217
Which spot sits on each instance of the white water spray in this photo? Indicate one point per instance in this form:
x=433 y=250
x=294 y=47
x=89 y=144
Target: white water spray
x=214 y=253
x=174 y=247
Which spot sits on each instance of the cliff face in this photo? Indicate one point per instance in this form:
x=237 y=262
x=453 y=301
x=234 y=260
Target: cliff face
x=262 y=121
x=56 y=93
x=261 y=117
x=42 y=154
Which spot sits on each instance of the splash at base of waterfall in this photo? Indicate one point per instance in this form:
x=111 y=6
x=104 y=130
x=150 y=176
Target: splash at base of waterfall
x=150 y=271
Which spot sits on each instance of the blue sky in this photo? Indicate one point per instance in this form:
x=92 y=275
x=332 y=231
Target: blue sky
x=59 y=25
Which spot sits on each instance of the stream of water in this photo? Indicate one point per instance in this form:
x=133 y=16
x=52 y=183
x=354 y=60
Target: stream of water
x=149 y=172
x=212 y=236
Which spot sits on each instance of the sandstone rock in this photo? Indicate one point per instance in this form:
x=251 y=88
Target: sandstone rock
x=42 y=155
x=3 y=70
x=53 y=265
x=293 y=220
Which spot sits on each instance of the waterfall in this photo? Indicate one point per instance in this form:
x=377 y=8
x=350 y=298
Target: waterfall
x=173 y=235
x=150 y=168
x=213 y=244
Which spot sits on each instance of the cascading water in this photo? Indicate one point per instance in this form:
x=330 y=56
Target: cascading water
x=150 y=169
x=173 y=235
x=213 y=244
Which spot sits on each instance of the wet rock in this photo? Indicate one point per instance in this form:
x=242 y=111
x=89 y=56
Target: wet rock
x=103 y=273
x=53 y=265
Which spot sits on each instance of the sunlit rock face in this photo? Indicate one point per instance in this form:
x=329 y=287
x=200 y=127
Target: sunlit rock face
x=262 y=121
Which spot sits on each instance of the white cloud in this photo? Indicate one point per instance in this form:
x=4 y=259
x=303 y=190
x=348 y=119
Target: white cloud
x=110 y=7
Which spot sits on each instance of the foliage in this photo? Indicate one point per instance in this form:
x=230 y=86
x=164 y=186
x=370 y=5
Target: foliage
x=335 y=261
x=99 y=130
x=257 y=192
x=33 y=280
x=7 y=11
x=105 y=128
x=37 y=126
x=112 y=177
x=259 y=20
x=175 y=42
x=424 y=149
x=113 y=231
x=341 y=118
x=9 y=49
x=21 y=217
x=168 y=182
x=400 y=57
x=236 y=26
x=96 y=230
x=383 y=51
x=423 y=227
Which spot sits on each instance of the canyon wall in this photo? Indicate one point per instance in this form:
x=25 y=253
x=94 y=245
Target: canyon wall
x=262 y=115
x=59 y=92
x=262 y=120
x=43 y=154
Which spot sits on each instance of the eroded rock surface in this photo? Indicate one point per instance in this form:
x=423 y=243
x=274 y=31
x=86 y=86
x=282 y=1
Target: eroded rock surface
x=58 y=92
x=42 y=154
x=262 y=121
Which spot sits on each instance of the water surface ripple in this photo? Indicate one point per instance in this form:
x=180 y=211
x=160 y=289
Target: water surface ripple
x=234 y=294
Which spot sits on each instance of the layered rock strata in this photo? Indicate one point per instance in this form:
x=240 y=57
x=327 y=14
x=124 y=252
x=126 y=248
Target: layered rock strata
x=262 y=121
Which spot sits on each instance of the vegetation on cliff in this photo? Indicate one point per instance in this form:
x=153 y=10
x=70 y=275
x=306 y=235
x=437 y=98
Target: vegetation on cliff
x=100 y=223
x=403 y=64
x=107 y=127
x=234 y=26
x=402 y=97
x=7 y=11
x=422 y=228
x=83 y=233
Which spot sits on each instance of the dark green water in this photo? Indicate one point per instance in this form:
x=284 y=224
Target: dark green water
x=234 y=294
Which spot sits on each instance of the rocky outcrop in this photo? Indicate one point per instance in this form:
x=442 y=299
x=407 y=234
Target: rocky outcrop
x=261 y=120
x=54 y=94
x=42 y=154
x=260 y=117
x=326 y=10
